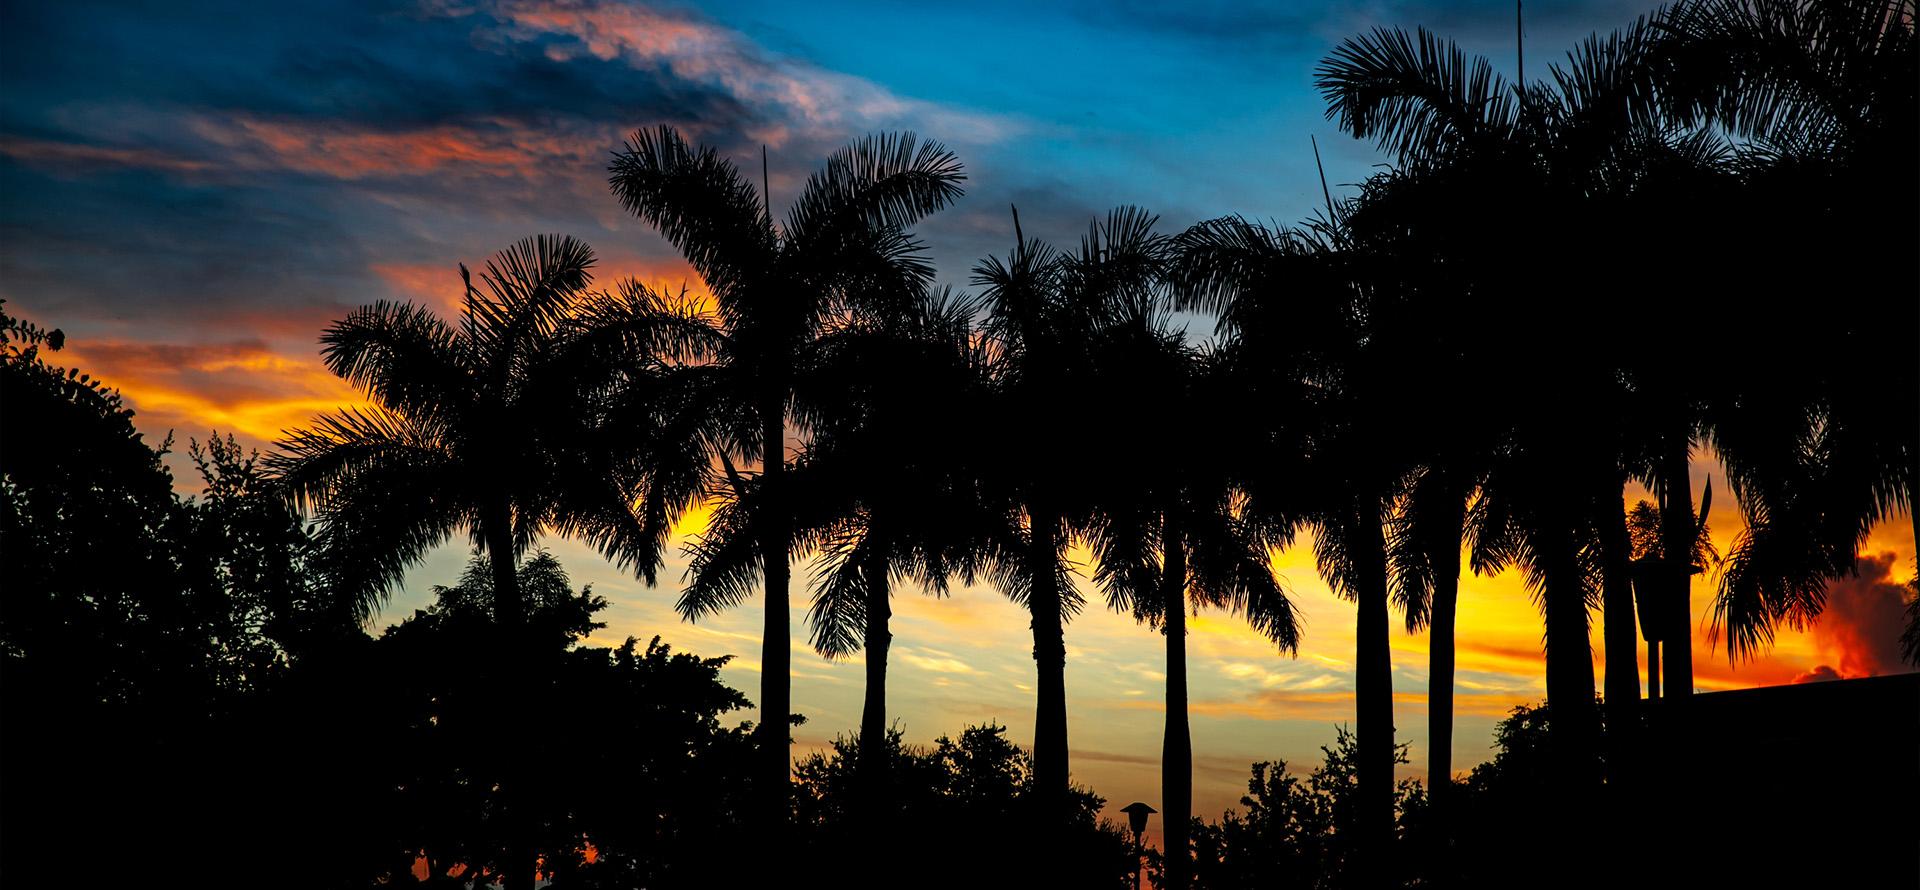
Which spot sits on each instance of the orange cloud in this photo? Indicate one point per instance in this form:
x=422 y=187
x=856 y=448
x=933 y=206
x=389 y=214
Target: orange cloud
x=434 y=284
x=242 y=387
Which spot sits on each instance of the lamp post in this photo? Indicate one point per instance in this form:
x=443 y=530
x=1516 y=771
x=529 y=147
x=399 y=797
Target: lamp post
x=1137 y=813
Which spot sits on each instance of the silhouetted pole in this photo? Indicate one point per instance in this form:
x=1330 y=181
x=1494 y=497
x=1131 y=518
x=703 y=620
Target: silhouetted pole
x=1137 y=813
x=1324 y=193
x=1520 y=46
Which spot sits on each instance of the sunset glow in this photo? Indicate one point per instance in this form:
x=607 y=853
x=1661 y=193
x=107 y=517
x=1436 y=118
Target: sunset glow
x=192 y=210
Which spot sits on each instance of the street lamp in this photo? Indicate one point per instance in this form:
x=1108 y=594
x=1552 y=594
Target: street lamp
x=1137 y=813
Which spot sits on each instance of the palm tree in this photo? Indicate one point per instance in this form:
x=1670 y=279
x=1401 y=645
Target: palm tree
x=1583 y=150
x=534 y=414
x=1178 y=537
x=882 y=492
x=1043 y=309
x=1424 y=555
x=1297 y=310
x=1442 y=340
x=1822 y=95
x=775 y=289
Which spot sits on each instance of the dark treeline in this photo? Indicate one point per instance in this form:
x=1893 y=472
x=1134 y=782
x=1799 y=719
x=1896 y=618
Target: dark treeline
x=1696 y=232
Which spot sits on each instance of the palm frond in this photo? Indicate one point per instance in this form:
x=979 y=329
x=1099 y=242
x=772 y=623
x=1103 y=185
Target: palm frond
x=701 y=203
x=837 y=619
x=724 y=562
x=403 y=356
x=1416 y=96
x=531 y=288
x=882 y=181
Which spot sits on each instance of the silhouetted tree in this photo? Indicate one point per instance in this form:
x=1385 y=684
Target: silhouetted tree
x=1297 y=309
x=1821 y=95
x=883 y=491
x=954 y=812
x=534 y=414
x=775 y=290
x=1577 y=149
x=136 y=629
x=1169 y=528
x=620 y=769
x=1043 y=312
x=1302 y=832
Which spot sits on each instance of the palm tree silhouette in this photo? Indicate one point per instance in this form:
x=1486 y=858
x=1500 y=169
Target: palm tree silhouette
x=1574 y=150
x=775 y=289
x=1043 y=310
x=1177 y=537
x=1438 y=329
x=1822 y=95
x=1424 y=555
x=895 y=491
x=882 y=491
x=534 y=414
x=1296 y=307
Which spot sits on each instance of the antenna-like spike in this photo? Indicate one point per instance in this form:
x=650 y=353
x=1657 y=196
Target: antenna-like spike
x=766 y=192
x=1520 y=45
x=1323 y=177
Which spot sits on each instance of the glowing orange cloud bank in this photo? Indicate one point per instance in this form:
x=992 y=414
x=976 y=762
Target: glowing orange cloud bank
x=242 y=387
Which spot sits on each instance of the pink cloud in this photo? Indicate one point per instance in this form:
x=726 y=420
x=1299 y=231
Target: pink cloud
x=72 y=155
x=824 y=104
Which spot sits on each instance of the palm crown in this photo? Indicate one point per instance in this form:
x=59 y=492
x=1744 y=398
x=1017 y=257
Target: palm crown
x=535 y=413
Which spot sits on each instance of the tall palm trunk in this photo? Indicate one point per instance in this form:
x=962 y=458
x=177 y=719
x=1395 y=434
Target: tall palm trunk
x=776 y=648
x=1569 y=695
x=1619 y=638
x=873 y=716
x=1444 y=556
x=1050 y=659
x=1373 y=691
x=1677 y=535
x=1569 y=662
x=1176 y=752
x=510 y=612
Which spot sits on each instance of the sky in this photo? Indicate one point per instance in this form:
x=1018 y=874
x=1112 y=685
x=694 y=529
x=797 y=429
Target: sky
x=194 y=191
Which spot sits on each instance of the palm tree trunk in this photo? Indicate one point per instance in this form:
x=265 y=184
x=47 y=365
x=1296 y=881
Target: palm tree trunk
x=1569 y=662
x=1373 y=692
x=508 y=609
x=873 y=716
x=1176 y=752
x=510 y=612
x=1620 y=637
x=1445 y=560
x=1676 y=543
x=776 y=646
x=1050 y=658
